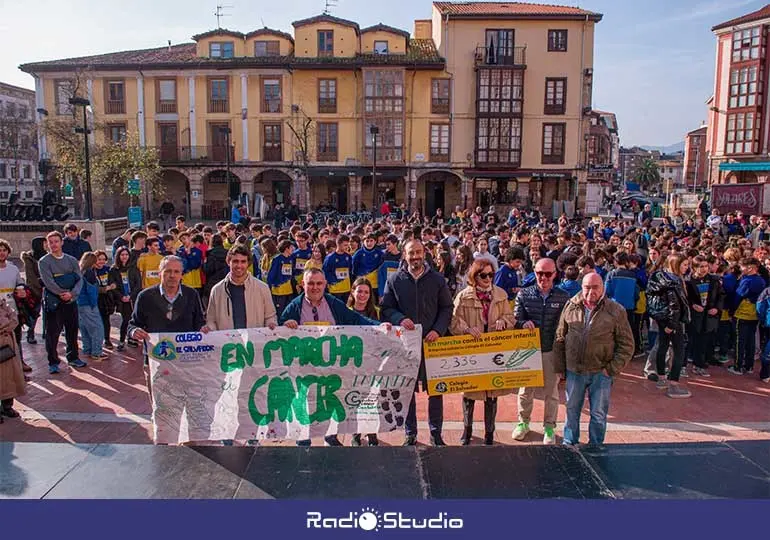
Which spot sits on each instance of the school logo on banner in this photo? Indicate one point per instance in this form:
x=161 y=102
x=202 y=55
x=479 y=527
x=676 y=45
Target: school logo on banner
x=164 y=350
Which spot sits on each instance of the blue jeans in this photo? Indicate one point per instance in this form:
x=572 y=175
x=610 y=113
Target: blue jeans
x=599 y=387
x=765 y=372
x=91 y=330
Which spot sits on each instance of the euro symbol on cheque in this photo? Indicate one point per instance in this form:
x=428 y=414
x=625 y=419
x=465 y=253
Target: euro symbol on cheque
x=498 y=360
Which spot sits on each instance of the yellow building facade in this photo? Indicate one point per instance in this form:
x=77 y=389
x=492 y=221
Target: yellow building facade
x=484 y=103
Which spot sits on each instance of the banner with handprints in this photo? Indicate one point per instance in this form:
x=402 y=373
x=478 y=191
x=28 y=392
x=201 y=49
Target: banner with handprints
x=496 y=361
x=281 y=384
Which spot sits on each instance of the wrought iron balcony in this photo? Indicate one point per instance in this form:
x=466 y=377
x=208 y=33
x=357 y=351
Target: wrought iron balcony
x=198 y=154
x=501 y=56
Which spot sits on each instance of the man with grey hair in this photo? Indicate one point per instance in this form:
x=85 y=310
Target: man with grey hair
x=167 y=307
x=593 y=344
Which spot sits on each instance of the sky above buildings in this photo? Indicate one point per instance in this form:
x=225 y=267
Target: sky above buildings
x=653 y=60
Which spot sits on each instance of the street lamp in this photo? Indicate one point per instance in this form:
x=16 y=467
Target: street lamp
x=226 y=131
x=83 y=102
x=374 y=130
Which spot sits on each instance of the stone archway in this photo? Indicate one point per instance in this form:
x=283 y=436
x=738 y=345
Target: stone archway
x=219 y=191
x=438 y=189
x=176 y=190
x=275 y=186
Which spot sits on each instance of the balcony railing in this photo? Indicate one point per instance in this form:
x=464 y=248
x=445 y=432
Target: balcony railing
x=115 y=106
x=328 y=155
x=167 y=106
x=492 y=56
x=327 y=105
x=439 y=105
x=198 y=154
x=272 y=153
x=219 y=106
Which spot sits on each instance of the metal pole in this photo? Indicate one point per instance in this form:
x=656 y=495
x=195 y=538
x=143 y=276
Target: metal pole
x=374 y=175
x=89 y=203
x=227 y=168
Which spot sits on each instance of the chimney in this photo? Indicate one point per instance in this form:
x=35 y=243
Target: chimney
x=423 y=29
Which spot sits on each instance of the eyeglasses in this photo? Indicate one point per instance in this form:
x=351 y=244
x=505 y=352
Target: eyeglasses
x=488 y=275
x=544 y=274
x=315 y=314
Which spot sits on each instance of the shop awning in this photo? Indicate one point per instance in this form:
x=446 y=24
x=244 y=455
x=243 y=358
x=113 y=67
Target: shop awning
x=345 y=172
x=746 y=166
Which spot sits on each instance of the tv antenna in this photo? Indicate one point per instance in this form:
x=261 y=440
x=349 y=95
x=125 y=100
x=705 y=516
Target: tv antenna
x=220 y=12
x=329 y=4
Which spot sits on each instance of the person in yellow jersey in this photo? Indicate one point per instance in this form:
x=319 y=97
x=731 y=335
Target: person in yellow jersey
x=367 y=261
x=750 y=286
x=338 y=266
x=192 y=257
x=149 y=263
x=280 y=275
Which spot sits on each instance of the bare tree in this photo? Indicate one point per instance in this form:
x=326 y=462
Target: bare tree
x=303 y=134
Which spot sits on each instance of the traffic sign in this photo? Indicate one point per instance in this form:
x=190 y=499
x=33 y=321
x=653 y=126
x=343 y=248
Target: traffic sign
x=134 y=186
x=134 y=216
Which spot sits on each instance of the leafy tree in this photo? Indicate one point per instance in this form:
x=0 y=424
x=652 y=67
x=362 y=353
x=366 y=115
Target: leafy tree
x=648 y=175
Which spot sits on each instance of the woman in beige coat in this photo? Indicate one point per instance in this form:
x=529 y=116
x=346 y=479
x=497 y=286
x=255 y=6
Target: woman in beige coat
x=480 y=308
x=11 y=375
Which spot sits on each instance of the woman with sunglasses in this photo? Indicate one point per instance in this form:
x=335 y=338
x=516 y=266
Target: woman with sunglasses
x=480 y=308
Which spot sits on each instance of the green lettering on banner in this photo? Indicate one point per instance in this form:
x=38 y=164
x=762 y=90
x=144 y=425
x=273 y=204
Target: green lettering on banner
x=317 y=352
x=243 y=356
x=290 y=401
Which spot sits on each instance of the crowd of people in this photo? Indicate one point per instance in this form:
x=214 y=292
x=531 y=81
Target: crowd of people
x=600 y=291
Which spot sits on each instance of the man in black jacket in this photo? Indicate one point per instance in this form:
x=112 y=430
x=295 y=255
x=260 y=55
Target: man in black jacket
x=540 y=306
x=415 y=294
x=168 y=307
x=706 y=298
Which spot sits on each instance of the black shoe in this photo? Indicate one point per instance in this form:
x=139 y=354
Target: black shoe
x=332 y=441
x=410 y=440
x=489 y=439
x=465 y=440
x=356 y=441
x=10 y=413
x=373 y=441
x=31 y=339
x=436 y=440
x=652 y=377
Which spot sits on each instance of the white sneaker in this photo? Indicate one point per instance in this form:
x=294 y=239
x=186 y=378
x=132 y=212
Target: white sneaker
x=520 y=431
x=549 y=437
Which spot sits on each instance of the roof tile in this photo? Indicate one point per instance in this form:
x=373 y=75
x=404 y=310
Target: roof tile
x=762 y=13
x=511 y=9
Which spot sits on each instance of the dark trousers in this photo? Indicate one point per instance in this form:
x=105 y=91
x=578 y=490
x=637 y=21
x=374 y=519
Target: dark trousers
x=65 y=316
x=702 y=345
x=6 y=404
x=676 y=340
x=635 y=322
x=745 y=344
x=724 y=336
x=106 y=324
x=435 y=416
x=17 y=334
x=125 y=309
x=490 y=413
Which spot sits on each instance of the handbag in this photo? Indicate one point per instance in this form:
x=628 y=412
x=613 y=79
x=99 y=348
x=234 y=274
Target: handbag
x=6 y=353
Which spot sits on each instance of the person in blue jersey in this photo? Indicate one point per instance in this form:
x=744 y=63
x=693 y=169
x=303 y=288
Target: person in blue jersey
x=750 y=286
x=706 y=298
x=622 y=286
x=391 y=259
x=570 y=283
x=338 y=267
x=192 y=259
x=507 y=277
x=367 y=261
x=279 y=277
x=301 y=255
x=600 y=263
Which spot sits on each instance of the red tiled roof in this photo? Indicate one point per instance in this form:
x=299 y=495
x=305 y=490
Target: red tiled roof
x=513 y=9
x=420 y=52
x=218 y=32
x=326 y=18
x=763 y=13
x=385 y=28
x=269 y=32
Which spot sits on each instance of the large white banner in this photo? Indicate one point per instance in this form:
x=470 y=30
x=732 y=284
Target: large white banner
x=281 y=384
